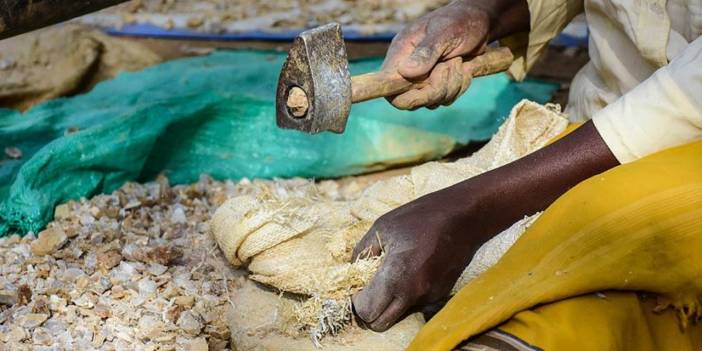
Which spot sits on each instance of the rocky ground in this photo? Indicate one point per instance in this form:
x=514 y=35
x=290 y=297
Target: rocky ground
x=224 y=15
x=137 y=269
x=134 y=270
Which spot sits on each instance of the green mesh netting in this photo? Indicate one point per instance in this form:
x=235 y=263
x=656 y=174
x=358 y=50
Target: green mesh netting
x=215 y=114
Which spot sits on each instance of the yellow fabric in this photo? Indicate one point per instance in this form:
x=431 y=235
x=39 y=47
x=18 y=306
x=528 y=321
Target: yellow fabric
x=637 y=227
x=606 y=321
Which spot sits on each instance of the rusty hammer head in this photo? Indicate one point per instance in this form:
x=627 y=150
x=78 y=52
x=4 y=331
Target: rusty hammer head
x=314 y=88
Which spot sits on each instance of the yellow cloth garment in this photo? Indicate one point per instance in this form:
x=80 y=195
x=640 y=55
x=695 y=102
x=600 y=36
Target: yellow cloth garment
x=604 y=321
x=637 y=227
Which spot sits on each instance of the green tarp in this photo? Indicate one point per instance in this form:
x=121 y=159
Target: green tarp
x=215 y=114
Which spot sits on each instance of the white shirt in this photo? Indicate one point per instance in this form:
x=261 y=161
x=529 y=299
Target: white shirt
x=643 y=85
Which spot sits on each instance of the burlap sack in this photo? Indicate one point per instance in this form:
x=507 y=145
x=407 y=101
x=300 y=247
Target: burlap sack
x=299 y=239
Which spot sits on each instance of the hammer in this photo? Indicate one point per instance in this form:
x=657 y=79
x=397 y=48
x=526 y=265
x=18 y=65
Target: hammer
x=315 y=89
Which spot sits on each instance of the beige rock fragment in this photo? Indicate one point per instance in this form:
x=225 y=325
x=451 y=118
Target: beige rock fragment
x=199 y=344
x=41 y=336
x=7 y=297
x=16 y=334
x=102 y=311
x=62 y=211
x=10 y=241
x=186 y=302
x=109 y=259
x=32 y=320
x=41 y=305
x=49 y=240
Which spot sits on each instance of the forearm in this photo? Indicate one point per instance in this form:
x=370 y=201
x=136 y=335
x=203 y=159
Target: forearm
x=529 y=185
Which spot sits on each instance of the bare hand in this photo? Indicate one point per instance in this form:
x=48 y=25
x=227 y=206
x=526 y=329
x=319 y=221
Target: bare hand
x=428 y=242
x=423 y=259
x=433 y=46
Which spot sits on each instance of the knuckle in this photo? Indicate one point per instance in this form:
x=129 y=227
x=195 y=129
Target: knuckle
x=440 y=23
x=422 y=53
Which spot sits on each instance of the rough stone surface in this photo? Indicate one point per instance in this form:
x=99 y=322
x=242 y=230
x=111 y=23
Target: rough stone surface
x=50 y=240
x=32 y=320
x=199 y=344
x=190 y=323
x=121 y=272
x=368 y=16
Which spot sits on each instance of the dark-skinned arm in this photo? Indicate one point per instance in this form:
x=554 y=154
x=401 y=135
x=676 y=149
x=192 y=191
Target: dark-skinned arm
x=429 y=242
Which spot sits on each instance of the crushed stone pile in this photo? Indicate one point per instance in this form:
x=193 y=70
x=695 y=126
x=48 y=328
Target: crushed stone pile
x=215 y=16
x=134 y=270
x=299 y=240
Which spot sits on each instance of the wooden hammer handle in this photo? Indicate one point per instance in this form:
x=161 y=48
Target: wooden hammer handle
x=381 y=84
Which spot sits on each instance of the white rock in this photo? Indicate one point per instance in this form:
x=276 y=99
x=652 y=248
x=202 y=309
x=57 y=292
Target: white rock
x=199 y=344
x=103 y=285
x=72 y=274
x=84 y=301
x=147 y=287
x=156 y=269
x=90 y=261
x=178 y=216
x=57 y=303
x=41 y=336
x=16 y=334
x=87 y=219
x=190 y=323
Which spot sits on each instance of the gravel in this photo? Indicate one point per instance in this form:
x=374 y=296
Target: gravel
x=216 y=16
x=136 y=269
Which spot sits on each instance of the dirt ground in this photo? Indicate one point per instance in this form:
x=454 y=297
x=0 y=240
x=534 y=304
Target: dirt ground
x=214 y=16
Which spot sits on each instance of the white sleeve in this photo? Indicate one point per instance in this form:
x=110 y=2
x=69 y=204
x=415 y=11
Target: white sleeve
x=662 y=112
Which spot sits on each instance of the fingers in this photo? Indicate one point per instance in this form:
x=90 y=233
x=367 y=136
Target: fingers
x=369 y=246
x=392 y=314
x=372 y=301
x=445 y=84
x=457 y=81
x=403 y=45
x=423 y=58
x=381 y=304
